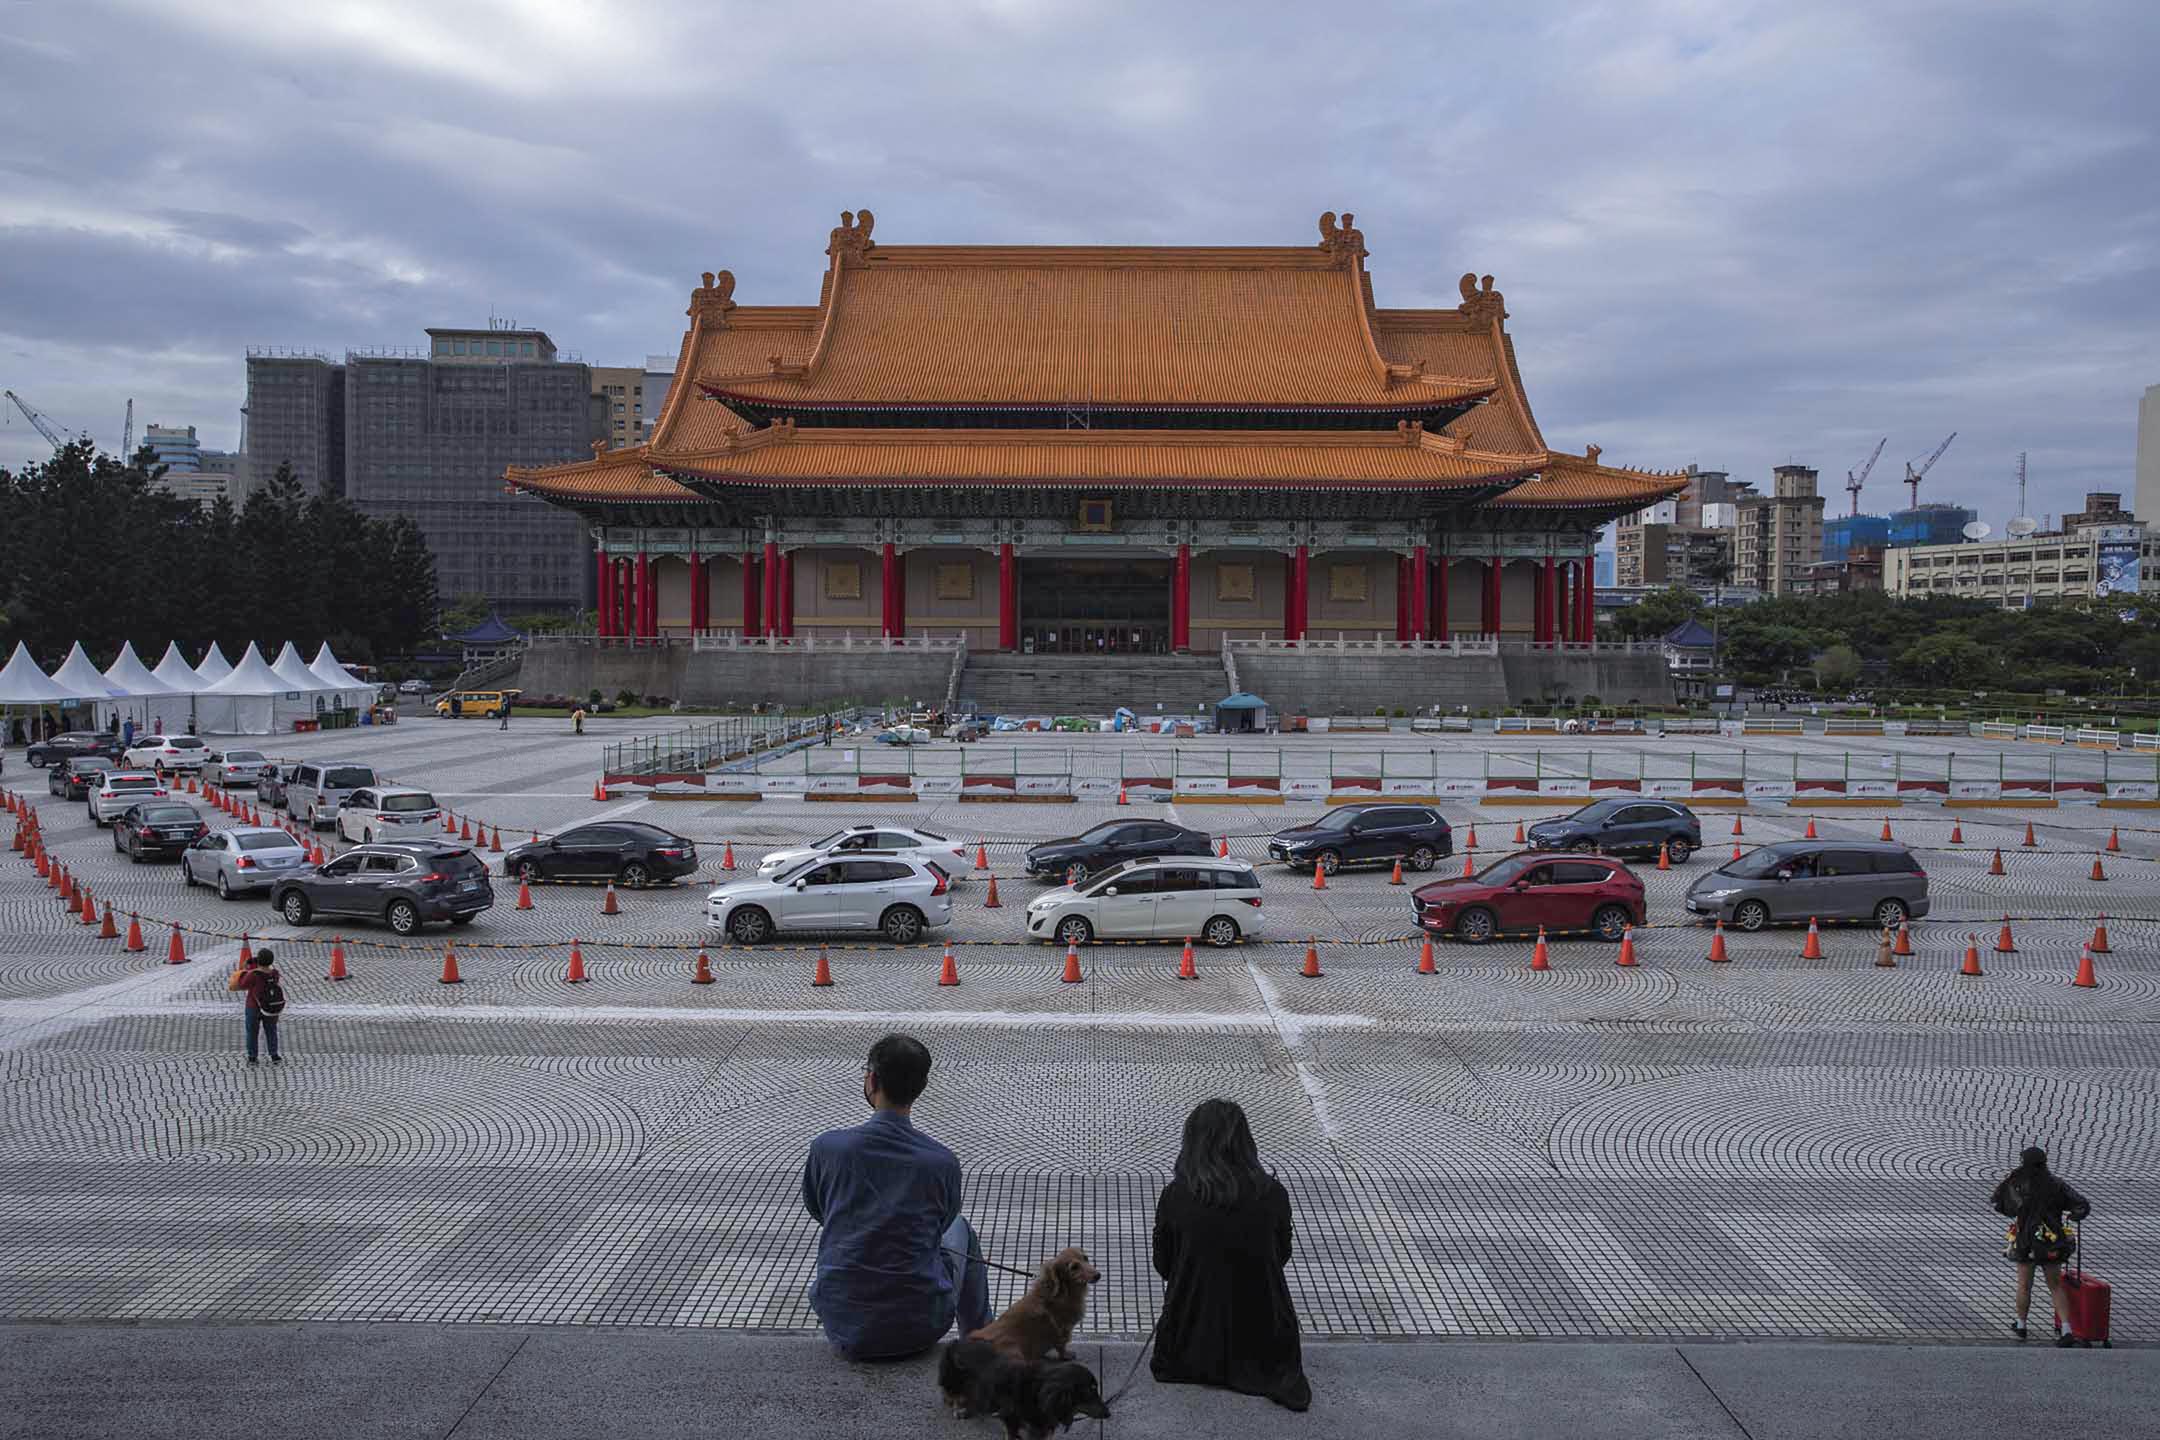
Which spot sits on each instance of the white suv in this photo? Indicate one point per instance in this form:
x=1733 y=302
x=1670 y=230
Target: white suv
x=115 y=790
x=165 y=752
x=1179 y=897
x=897 y=895
x=388 y=813
x=950 y=855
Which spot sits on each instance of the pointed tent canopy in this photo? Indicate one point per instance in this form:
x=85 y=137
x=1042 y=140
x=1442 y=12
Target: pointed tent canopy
x=252 y=676
x=178 y=675
x=129 y=673
x=214 y=667
x=1690 y=634
x=290 y=668
x=351 y=689
x=23 y=683
x=250 y=700
x=83 y=680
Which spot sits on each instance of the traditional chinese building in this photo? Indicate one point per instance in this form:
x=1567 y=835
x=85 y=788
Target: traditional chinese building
x=1058 y=449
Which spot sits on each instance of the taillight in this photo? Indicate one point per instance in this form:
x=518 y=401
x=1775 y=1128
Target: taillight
x=671 y=850
x=157 y=794
x=1919 y=872
x=940 y=889
x=1252 y=900
x=244 y=863
x=433 y=877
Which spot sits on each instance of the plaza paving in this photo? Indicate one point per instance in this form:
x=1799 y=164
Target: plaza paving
x=1774 y=1149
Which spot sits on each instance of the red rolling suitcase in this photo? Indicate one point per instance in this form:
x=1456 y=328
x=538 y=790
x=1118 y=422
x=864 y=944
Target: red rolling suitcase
x=2089 y=1302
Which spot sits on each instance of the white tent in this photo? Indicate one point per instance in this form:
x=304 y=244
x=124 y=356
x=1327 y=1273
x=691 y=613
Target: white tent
x=250 y=700
x=353 y=692
x=214 y=667
x=83 y=680
x=179 y=677
x=151 y=703
x=23 y=683
x=294 y=671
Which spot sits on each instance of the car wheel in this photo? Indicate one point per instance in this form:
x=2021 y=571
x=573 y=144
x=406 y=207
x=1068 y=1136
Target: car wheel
x=187 y=874
x=116 y=845
x=1475 y=926
x=1075 y=930
x=39 y=762
x=635 y=876
x=903 y=924
x=403 y=917
x=295 y=908
x=1678 y=850
x=1220 y=931
x=1582 y=847
x=224 y=886
x=1075 y=873
x=1750 y=915
x=1423 y=858
x=134 y=853
x=1610 y=922
x=1890 y=914
x=1329 y=861
x=527 y=872
x=749 y=926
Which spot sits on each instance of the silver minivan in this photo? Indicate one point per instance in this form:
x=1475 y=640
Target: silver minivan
x=1181 y=897
x=316 y=788
x=1800 y=880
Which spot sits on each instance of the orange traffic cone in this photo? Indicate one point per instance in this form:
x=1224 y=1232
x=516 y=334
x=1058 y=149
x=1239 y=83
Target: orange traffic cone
x=1185 y=970
x=1810 y=829
x=2114 y=845
x=524 y=896
x=134 y=936
x=1471 y=842
x=495 y=842
x=1972 y=956
x=449 y=824
x=450 y=974
x=88 y=912
x=1467 y=869
x=982 y=856
x=2029 y=839
x=108 y=930
x=465 y=829
x=44 y=866
x=599 y=791
x=2085 y=979
x=1904 y=939
x=1736 y=826
x=1717 y=945
x=1319 y=876
x=176 y=953
x=948 y=971
x=1538 y=958
x=1121 y=794
x=247 y=951
x=2004 y=945
x=2097 y=872
x=1812 y=950
x=576 y=975
x=65 y=885
x=337 y=959
x=1518 y=832
x=1957 y=832
x=1736 y=850
x=1425 y=964
x=608 y=905
x=1311 y=968
x=1885 y=952
x=1664 y=856
x=1886 y=829
x=1222 y=847
x=1626 y=959
x=1995 y=866
x=1072 y=964
x=2099 y=942
x=703 y=974
x=1396 y=877
x=727 y=856
x=991 y=901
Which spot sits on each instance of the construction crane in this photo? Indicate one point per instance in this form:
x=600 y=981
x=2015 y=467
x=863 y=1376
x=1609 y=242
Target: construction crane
x=39 y=421
x=1914 y=476
x=1854 y=481
x=127 y=432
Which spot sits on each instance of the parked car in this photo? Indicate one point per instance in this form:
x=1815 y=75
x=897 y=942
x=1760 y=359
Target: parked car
x=71 y=778
x=234 y=767
x=898 y=896
x=487 y=704
x=1526 y=891
x=1187 y=898
x=1623 y=826
x=156 y=828
x=412 y=687
x=270 y=787
x=1365 y=835
x=1799 y=880
x=315 y=788
x=893 y=838
x=388 y=812
x=628 y=852
x=55 y=748
x=165 y=752
x=115 y=790
x=243 y=859
x=404 y=884
x=1076 y=857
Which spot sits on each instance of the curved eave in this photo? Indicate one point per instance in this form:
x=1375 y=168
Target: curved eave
x=1423 y=397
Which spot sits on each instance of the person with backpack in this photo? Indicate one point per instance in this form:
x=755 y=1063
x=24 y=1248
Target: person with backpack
x=2037 y=1200
x=265 y=1000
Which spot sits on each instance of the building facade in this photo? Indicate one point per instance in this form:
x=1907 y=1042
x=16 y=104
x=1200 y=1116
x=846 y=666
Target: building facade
x=175 y=446
x=296 y=416
x=2020 y=572
x=620 y=391
x=1843 y=534
x=1091 y=449
x=1780 y=534
x=1679 y=541
x=2146 y=500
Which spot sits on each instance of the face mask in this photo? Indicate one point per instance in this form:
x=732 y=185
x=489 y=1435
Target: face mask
x=868 y=1093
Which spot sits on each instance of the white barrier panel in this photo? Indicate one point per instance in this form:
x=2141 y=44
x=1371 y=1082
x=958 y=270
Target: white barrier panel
x=1976 y=789
x=1407 y=787
x=1458 y=785
x=937 y=784
x=1770 y=789
x=1873 y=789
x=1511 y=725
x=1205 y=785
x=1688 y=727
x=2048 y=734
x=2133 y=790
x=1565 y=785
x=832 y=785
x=737 y=784
x=2145 y=742
x=1852 y=727
x=2086 y=735
x=1042 y=785
x=1307 y=787
x=1997 y=730
x=1765 y=725
x=1676 y=789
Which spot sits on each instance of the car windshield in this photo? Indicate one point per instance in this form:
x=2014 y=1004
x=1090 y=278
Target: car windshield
x=1108 y=878
x=1756 y=864
x=1501 y=872
x=169 y=815
x=347 y=777
x=88 y=764
x=131 y=782
x=185 y=742
x=249 y=756
x=929 y=835
x=461 y=864
x=268 y=840
x=400 y=804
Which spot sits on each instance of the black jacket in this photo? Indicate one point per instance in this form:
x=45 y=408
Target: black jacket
x=2036 y=1196
x=1227 y=1318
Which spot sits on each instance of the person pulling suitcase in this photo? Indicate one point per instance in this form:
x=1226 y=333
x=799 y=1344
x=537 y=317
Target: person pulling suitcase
x=2041 y=1206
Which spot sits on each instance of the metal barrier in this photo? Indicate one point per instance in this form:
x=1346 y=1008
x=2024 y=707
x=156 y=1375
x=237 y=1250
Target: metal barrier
x=692 y=751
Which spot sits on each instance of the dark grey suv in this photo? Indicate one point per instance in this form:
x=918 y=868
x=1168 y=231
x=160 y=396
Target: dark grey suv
x=404 y=885
x=1800 y=880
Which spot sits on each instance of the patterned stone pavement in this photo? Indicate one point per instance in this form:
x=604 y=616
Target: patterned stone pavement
x=1775 y=1148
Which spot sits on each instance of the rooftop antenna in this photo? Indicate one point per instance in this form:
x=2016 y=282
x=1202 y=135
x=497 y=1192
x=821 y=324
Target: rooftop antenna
x=1853 y=482
x=2023 y=524
x=1914 y=476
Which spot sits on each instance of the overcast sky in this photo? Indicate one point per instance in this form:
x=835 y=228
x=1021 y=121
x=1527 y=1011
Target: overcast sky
x=1729 y=233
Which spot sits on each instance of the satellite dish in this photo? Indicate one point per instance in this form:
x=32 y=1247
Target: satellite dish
x=1979 y=530
x=2023 y=526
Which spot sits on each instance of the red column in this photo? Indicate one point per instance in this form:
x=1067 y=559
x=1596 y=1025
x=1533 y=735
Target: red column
x=1008 y=599
x=1586 y=624
x=1420 y=574
x=787 y=594
x=1440 y=629
x=700 y=593
x=1299 y=594
x=620 y=594
x=1181 y=600
x=603 y=592
x=1402 y=597
x=885 y=590
x=770 y=610
x=899 y=595
x=1566 y=628
x=1548 y=603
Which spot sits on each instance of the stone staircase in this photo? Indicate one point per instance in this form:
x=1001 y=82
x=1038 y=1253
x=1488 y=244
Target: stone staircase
x=1004 y=684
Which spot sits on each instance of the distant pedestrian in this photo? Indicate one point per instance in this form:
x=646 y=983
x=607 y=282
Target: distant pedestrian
x=505 y=714
x=2037 y=1200
x=127 y=733
x=265 y=1000
x=577 y=721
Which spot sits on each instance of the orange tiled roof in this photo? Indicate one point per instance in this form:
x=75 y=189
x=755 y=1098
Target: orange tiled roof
x=1579 y=480
x=621 y=476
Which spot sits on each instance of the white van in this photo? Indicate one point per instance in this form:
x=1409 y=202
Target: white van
x=388 y=812
x=317 y=787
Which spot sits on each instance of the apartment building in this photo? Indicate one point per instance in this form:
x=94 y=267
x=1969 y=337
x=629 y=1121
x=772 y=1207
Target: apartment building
x=1779 y=535
x=2120 y=557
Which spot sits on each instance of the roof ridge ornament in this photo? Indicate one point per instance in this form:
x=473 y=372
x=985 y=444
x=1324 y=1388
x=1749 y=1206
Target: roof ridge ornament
x=1591 y=452
x=852 y=235
x=1481 y=304
x=1345 y=241
x=711 y=301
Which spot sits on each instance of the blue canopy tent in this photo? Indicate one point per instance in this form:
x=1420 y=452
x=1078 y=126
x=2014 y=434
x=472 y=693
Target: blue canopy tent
x=1242 y=713
x=491 y=637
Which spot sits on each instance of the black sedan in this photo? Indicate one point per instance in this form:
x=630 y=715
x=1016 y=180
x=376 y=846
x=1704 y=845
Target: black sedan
x=53 y=749
x=625 y=851
x=1076 y=857
x=72 y=778
x=1621 y=826
x=1377 y=834
x=403 y=884
x=157 y=829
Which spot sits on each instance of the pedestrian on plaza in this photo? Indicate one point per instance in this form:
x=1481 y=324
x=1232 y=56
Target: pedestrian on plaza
x=505 y=712
x=1222 y=1238
x=265 y=1000
x=577 y=721
x=896 y=1261
x=2037 y=1200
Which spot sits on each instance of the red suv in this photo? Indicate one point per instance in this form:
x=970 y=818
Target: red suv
x=1523 y=892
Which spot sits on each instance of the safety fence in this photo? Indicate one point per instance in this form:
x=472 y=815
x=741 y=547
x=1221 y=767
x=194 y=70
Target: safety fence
x=686 y=754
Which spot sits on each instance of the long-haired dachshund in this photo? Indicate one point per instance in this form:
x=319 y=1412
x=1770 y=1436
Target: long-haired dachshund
x=1041 y=1322
x=1034 y=1400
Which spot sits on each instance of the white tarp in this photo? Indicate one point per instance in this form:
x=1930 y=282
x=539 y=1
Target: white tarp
x=214 y=666
x=353 y=692
x=250 y=700
x=85 y=681
x=178 y=676
x=151 y=703
x=290 y=668
x=23 y=683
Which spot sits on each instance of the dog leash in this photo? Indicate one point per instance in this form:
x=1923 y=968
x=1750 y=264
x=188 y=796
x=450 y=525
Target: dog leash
x=992 y=1264
x=1130 y=1374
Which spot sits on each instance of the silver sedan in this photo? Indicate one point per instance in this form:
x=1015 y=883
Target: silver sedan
x=234 y=767
x=241 y=860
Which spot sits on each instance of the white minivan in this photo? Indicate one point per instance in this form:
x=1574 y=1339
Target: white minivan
x=387 y=812
x=1175 y=897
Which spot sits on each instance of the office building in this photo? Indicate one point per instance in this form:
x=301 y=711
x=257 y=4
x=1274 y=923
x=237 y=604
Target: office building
x=1676 y=541
x=2147 y=497
x=1780 y=534
x=659 y=376
x=2115 y=556
x=296 y=416
x=175 y=446
x=1846 y=533
x=620 y=391
x=2102 y=507
x=1930 y=524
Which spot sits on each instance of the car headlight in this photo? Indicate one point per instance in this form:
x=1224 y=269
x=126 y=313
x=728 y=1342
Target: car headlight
x=1718 y=894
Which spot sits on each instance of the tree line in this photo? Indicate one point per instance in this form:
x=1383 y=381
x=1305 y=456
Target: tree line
x=91 y=550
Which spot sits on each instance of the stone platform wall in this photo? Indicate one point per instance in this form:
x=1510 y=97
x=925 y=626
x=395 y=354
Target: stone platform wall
x=719 y=677
x=1358 y=684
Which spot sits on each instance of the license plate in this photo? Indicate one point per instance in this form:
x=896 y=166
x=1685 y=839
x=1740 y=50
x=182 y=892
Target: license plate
x=470 y=885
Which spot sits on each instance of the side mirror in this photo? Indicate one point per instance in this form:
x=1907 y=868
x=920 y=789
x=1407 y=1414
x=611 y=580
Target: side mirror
x=802 y=884
x=1109 y=890
x=1784 y=874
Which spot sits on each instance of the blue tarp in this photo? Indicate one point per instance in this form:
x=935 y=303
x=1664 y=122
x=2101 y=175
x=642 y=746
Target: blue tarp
x=491 y=631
